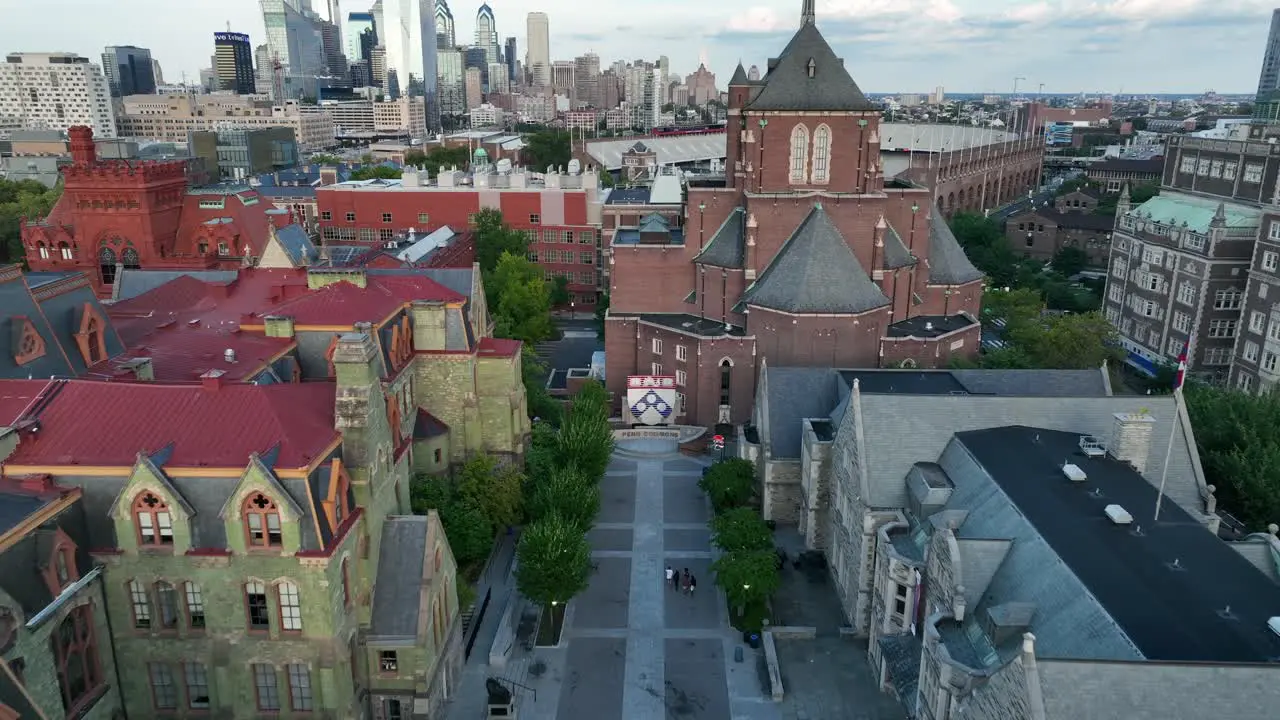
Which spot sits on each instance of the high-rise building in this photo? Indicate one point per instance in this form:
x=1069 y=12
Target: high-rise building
x=1269 y=77
x=54 y=91
x=129 y=70
x=538 y=47
x=562 y=79
x=586 y=79
x=357 y=24
x=233 y=62
x=335 y=17
x=702 y=86
x=379 y=20
x=498 y=80
x=474 y=57
x=295 y=40
x=509 y=56
x=410 y=40
x=487 y=33
x=156 y=72
x=453 y=98
x=474 y=88
x=334 y=56
x=446 y=37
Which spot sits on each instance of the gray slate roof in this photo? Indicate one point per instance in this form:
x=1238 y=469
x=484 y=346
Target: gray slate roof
x=397 y=596
x=948 y=265
x=727 y=248
x=788 y=85
x=793 y=394
x=815 y=272
x=896 y=254
x=295 y=243
x=56 y=319
x=739 y=76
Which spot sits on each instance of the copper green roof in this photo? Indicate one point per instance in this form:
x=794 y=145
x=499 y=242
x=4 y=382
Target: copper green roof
x=1173 y=208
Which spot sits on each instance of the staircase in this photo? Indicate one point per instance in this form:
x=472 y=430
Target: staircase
x=467 y=616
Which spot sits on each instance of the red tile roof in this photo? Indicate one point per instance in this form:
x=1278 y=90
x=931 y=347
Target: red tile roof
x=16 y=396
x=343 y=303
x=498 y=347
x=180 y=353
x=218 y=306
x=244 y=212
x=106 y=424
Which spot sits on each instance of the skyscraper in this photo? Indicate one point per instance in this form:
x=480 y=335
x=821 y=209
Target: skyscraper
x=586 y=79
x=453 y=100
x=357 y=23
x=1269 y=78
x=128 y=70
x=233 y=62
x=294 y=39
x=509 y=56
x=335 y=17
x=410 y=41
x=538 y=45
x=445 y=36
x=487 y=33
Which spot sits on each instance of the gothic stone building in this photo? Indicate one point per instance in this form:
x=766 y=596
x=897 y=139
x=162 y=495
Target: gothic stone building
x=993 y=535
x=806 y=255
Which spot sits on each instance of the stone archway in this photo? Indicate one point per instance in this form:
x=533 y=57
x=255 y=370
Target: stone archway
x=107 y=261
x=129 y=258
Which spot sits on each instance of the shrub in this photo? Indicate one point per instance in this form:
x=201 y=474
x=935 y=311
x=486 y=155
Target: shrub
x=729 y=483
x=740 y=529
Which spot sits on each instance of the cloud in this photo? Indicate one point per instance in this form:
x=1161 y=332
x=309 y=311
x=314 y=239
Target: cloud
x=756 y=20
x=587 y=37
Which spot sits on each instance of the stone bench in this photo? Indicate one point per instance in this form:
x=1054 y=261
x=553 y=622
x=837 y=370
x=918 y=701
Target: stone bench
x=771 y=662
x=793 y=632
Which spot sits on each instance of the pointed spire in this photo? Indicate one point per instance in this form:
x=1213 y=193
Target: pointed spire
x=807 y=14
x=1219 y=216
x=739 y=76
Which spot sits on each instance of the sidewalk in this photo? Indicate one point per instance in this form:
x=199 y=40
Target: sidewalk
x=470 y=699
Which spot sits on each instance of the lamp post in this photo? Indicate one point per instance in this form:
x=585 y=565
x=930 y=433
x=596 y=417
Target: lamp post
x=555 y=620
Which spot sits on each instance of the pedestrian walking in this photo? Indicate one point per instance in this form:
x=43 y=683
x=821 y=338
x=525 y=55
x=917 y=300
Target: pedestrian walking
x=684 y=580
x=671 y=576
x=693 y=584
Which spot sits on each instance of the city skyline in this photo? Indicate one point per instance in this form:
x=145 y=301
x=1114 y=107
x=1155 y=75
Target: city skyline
x=974 y=46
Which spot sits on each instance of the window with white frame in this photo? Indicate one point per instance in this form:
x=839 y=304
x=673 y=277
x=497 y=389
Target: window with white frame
x=1188 y=165
x=656 y=368
x=1262 y=290
x=1217 y=356
x=1181 y=321
x=1187 y=293
x=1153 y=337
x=1269 y=261
x=1174 y=346
x=1113 y=315
x=290 y=607
x=1151 y=281
x=680 y=403
x=1148 y=308
x=1257 y=322
x=1273 y=231
x=1222 y=328
x=1244 y=382
x=1273 y=330
x=799 y=153
x=1118 y=268
x=657 y=346
x=1153 y=255
x=1215 y=170
x=821 y=154
x=1115 y=293
x=1269 y=361
x=682 y=353
x=1250 y=351
x=1229 y=170
x=681 y=378
x=1227 y=299
x=1252 y=173
x=1126 y=326
x=1202 y=167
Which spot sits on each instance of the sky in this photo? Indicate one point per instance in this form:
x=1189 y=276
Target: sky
x=1069 y=46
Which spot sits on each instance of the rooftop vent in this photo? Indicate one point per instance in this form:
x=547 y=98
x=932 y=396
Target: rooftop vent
x=1074 y=473
x=928 y=326
x=1118 y=515
x=229 y=355
x=1092 y=446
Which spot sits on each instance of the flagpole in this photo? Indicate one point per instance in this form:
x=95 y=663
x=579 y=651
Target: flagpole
x=1168 y=453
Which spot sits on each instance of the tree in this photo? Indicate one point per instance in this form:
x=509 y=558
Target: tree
x=548 y=148
x=559 y=291
x=585 y=438
x=377 y=172
x=539 y=403
x=748 y=578
x=740 y=529
x=19 y=199
x=567 y=492
x=602 y=311
x=1011 y=306
x=469 y=531
x=1240 y=448
x=1139 y=194
x=438 y=158
x=985 y=244
x=554 y=565
x=324 y=159
x=606 y=178
x=495 y=488
x=1069 y=261
x=519 y=299
x=729 y=483
x=1068 y=341
x=494 y=237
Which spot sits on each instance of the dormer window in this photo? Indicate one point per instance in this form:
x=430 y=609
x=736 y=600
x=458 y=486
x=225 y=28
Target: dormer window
x=153 y=520
x=262 y=522
x=812 y=67
x=44 y=251
x=30 y=345
x=91 y=337
x=60 y=569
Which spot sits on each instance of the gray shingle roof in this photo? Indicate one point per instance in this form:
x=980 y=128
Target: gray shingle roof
x=727 y=248
x=896 y=254
x=397 y=597
x=815 y=272
x=788 y=85
x=739 y=76
x=295 y=243
x=654 y=223
x=948 y=265
x=795 y=393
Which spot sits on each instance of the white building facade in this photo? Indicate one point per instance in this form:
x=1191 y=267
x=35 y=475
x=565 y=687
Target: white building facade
x=54 y=91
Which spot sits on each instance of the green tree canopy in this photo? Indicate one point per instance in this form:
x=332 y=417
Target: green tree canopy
x=1240 y=448
x=602 y=311
x=1069 y=260
x=377 y=172
x=547 y=148
x=554 y=561
x=539 y=402
x=984 y=242
x=748 y=577
x=19 y=199
x=324 y=159
x=559 y=291
x=438 y=158
x=495 y=488
x=740 y=529
x=565 y=491
x=729 y=483
x=1068 y=341
x=519 y=299
x=586 y=438
x=494 y=237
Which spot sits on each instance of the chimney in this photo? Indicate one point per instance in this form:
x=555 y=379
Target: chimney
x=141 y=368
x=430 y=324
x=212 y=380
x=355 y=363
x=277 y=326
x=1131 y=438
x=83 y=151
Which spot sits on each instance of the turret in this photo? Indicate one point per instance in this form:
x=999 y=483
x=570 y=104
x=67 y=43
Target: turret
x=83 y=151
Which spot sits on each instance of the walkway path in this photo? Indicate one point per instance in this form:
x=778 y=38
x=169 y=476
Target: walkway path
x=633 y=649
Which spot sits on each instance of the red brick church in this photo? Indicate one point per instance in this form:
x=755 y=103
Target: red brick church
x=132 y=214
x=804 y=256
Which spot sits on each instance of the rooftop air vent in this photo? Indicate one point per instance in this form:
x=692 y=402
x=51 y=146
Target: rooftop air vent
x=928 y=326
x=229 y=355
x=1118 y=515
x=1092 y=446
x=1074 y=473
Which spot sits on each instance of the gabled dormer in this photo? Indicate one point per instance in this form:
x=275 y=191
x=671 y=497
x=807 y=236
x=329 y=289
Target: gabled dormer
x=260 y=515
x=150 y=514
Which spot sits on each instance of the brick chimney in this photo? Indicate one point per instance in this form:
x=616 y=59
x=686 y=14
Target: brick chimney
x=212 y=380
x=83 y=151
x=1131 y=438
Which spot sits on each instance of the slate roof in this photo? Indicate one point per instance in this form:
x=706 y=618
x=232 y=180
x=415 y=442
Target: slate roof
x=54 y=307
x=200 y=427
x=788 y=86
x=428 y=425
x=739 y=76
x=401 y=568
x=815 y=272
x=1070 y=554
x=297 y=245
x=21 y=563
x=948 y=265
x=795 y=393
x=727 y=248
x=896 y=254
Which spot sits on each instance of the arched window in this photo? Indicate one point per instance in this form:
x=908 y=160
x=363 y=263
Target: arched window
x=152 y=518
x=167 y=605
x=65 y=251
x=107 y=265
x=262 y=522
x=726 y=377
x=129 y=258
x=44 y=251
x=822 y=154
x=799 y=153
x=75 y=652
